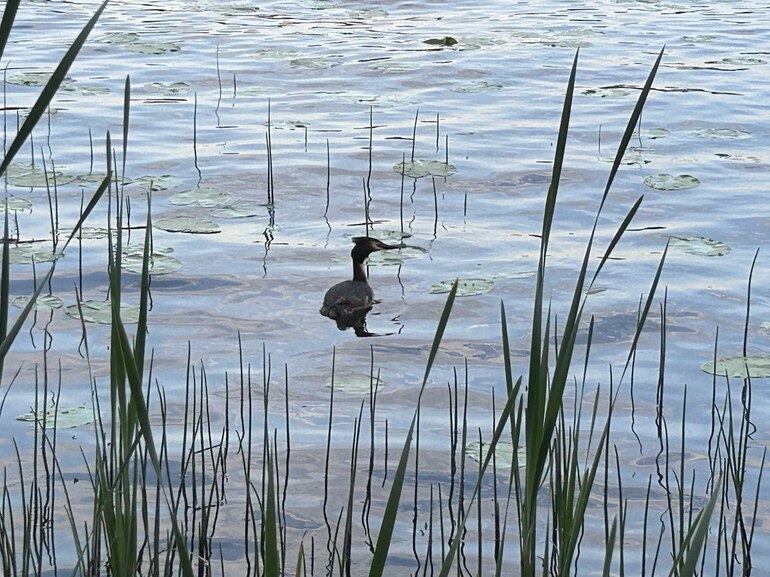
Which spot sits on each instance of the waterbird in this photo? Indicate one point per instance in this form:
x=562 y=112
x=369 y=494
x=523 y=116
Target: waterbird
x=348 y=302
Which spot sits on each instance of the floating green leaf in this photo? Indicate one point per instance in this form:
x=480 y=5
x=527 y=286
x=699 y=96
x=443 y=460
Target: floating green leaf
x=15 y=204
x=396 y=256
x=356 y=383
x=722 y=133
x=132 y=42
x=465 y=288
x=37 y=179
x=35 y=78
x=699 y=245
x=26 y=253
x=311 y=63
x=204 y=197
x=607 y=92
x=160 y=261
x=168 y=88
x=188 y=224
x=503 y=453
x=476 y=87
x=101 y=312
x=421 y=168
x=234 y=212
x=162 y=182
x=740 y=367
x=42 y=303
x=671 y=181
x=740 y=61
x=61 y=417
x=445 y=41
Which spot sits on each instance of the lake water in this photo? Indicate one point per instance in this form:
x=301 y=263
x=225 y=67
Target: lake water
x=332 y=75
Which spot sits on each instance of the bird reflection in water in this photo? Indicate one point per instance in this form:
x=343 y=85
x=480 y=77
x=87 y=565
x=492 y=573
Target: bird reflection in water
x=348 y=302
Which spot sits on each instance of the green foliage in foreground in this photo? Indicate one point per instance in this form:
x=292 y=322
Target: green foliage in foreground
x=140 y=517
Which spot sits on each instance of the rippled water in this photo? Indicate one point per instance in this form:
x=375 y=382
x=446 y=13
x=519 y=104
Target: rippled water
x=490 y=104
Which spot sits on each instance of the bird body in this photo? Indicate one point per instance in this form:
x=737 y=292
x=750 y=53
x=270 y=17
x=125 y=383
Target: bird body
x=350 y=300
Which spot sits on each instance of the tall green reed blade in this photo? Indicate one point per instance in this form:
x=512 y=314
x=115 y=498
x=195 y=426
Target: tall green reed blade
x=48 y=92
x=11 y=335
x=544 y=396
x=685 y=564
x=272 y=567
x=5 y=284
x=446 y=566
x=537 y=440
x=377 y=568
x=9 y=15
x=145 y=430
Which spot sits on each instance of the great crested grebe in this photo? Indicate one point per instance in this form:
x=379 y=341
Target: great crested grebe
x=352 y=299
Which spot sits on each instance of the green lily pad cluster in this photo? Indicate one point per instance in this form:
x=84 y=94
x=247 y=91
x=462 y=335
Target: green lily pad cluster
x=446 y=41
x=60 y=417
x=204 y=197
x=188 y=224
x=355 y=383
x=421 y=168
x=740 y=367
x=160 y=260
x=671 y=181
x=100 y=312
x=133 y=42
x=465 y=288
x=15 y=204
x=42 y=303
x=503 y=453
x=699 y=245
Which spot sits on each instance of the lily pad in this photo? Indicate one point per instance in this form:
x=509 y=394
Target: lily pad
x=168 y=88
x=445 y=41
x=421 y=168
x=87 y=233
x=607 y=92
x=37 y=179
x=476 y=87
x=390 y=65
x=357 y=383
x=26 y=253
x=699 y=245
x=204 y=197
x=15 y=204
x=234 y=212
x=43 y=302
x=671 y=181
x=741 y=61
x=160 y=261
x=396 y=256
x=465 y=288
x=311 y=63
x=61 y=417
x=162 y=182
x=722 y=133
x=188 y=224
x=101 y=312
x=86 y=89
x=133 y=42
x=35 y=78
x=740 y=367
x=503 y=453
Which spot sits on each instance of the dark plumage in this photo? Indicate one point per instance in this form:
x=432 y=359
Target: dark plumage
x=352 y=299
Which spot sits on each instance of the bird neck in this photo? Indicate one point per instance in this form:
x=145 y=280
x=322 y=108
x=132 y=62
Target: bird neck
x=359 y=271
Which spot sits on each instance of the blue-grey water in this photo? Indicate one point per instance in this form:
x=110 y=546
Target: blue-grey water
x=331 y=75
